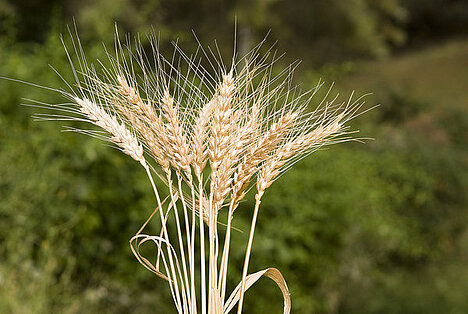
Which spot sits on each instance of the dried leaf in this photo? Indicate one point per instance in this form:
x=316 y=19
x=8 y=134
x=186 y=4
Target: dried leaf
x=271 y=273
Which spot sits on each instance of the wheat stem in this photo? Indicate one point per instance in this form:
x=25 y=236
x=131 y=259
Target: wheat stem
x=192 y=246
x=212 y=262
x=166 y=237
x=189 y=241
x=249 y=249
x=185 y=292
x=202 y=244
x=225 y=256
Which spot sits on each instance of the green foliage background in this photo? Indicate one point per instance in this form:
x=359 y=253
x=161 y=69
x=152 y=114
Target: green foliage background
x=373 y=228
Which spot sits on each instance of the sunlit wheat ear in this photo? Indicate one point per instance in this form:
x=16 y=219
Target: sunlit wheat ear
x=298 y=146
x=220 y=125
x=200 y=134
x=145 y=120
x=120 y=135
x=177 y=145
x=228 y=140
x=259 y=152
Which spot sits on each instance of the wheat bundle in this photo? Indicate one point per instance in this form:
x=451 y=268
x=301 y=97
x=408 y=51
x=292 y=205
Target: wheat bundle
x=211 y=136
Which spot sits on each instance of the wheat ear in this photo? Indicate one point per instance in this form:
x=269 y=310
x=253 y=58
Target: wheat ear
x=120 y=135
x=218 y=146
x=271 y=170
x=141 y=116
x=200 y=134
x=246 y=169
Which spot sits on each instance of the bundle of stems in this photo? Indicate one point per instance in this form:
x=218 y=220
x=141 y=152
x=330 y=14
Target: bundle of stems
x=210 y=134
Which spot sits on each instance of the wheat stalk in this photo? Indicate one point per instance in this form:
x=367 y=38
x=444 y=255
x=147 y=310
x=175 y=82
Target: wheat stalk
x=230 y=132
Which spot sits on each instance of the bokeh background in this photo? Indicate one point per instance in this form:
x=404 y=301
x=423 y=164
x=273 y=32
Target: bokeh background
x=380 y=227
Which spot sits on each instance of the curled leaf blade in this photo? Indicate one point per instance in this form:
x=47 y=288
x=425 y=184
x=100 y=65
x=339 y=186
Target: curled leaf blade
x=272 y=273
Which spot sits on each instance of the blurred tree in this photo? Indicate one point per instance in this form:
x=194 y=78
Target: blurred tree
x=340 y=29
x=436 y=19
x=7 y=21
x=27 y=20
